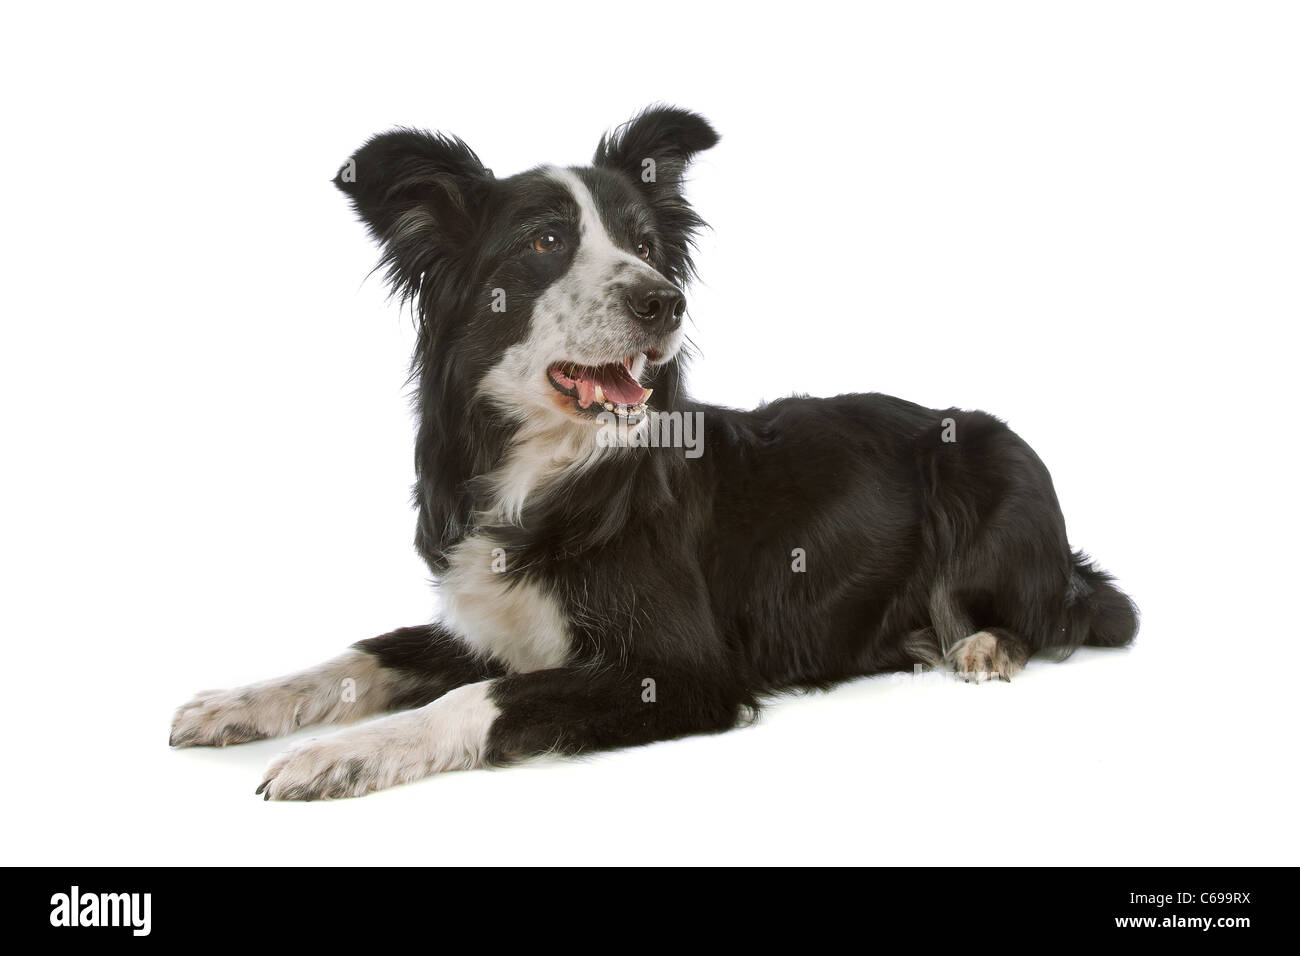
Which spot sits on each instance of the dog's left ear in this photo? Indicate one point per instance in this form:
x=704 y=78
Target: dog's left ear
x=654 y=149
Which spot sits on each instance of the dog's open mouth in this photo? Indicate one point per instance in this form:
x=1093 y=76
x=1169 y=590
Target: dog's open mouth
x=595 y=388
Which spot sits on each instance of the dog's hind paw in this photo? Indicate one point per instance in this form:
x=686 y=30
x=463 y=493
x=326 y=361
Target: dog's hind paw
x=986 y=655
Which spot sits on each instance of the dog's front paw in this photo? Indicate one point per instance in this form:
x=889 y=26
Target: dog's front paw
x=216 y=718
x=346 y=764
x=449 y=734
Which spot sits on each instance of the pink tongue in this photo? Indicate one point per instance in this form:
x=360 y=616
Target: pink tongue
x=620 y=386
x=615 y=381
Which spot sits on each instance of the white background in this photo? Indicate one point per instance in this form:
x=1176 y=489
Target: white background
x=1081 y=217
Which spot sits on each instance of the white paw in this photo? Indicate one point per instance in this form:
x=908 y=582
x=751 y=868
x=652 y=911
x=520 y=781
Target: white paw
x=346 y=764
x=449 y=734
x=216 y=718
x=982 y=656
x=346 y=688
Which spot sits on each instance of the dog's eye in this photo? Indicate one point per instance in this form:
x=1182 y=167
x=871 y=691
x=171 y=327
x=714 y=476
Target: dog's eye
x=547 y=242
x=643 y=249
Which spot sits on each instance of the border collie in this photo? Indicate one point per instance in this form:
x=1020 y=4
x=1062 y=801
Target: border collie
x=604 y=587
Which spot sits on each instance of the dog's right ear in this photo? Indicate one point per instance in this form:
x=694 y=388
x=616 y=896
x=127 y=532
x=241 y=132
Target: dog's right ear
x=418 y=193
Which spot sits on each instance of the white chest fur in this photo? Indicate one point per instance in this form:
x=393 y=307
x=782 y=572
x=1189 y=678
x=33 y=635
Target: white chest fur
x=514 y=621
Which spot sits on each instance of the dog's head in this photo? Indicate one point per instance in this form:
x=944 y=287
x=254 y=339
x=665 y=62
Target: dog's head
x=556 y=293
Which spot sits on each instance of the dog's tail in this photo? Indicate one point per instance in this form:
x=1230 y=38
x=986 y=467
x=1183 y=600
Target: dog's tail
x=1098 y=614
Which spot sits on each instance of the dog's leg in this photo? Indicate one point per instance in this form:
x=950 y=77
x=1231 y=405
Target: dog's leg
x=992 y=652
x=564 y=710
x=406 y=668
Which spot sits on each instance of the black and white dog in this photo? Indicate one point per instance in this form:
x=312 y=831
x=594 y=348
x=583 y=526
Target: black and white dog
x=620 y=564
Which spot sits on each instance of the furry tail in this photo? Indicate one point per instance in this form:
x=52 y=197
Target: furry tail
x=1099 y=614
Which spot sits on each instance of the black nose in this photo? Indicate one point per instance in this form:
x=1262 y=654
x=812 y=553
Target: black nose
x=658 y=306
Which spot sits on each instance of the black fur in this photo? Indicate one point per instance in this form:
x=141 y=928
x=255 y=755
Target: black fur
x=679 y=570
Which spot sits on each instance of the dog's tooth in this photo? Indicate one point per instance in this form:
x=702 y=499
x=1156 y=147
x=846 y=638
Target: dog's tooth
x=600 y=394
x=646 y=397
x=609 y=406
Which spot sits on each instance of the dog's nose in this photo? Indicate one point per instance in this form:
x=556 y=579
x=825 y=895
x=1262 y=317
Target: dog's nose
x=658 y=306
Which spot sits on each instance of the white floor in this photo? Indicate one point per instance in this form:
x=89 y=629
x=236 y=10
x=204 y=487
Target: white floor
x=1111 y=758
